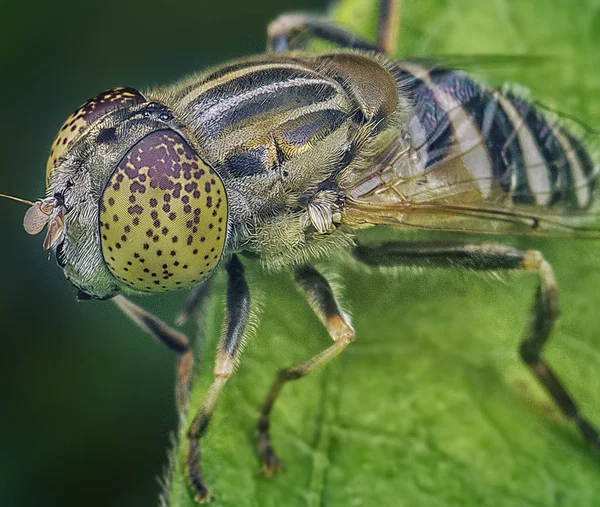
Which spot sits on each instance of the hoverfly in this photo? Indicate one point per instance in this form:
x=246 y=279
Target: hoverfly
x=281 y=158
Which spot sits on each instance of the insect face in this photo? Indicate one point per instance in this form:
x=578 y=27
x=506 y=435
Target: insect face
x=131 y=205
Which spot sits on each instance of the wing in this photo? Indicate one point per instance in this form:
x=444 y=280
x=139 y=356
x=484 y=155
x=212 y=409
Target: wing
x=479 y=160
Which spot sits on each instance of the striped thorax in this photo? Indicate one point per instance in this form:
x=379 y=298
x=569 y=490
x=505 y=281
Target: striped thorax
x=281 y=130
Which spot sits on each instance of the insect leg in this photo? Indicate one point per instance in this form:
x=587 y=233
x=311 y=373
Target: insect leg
x=496 y=257
x=325 y=305
x=284 y=29
x=387 y=30
x=195 y=299
x=238 y=307
x=171 y=338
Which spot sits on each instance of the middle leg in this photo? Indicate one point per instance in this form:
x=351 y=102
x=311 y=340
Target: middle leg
x=172 y=338
x=323 y=302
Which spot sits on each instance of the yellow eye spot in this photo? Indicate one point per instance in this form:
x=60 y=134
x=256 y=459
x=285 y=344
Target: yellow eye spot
x=163 y=216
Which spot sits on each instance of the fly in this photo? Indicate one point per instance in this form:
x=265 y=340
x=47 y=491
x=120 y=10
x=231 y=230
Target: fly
x=281 y=159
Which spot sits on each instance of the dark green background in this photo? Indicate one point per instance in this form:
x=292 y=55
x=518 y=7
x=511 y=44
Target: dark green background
x=87 y=402
x=87 y=399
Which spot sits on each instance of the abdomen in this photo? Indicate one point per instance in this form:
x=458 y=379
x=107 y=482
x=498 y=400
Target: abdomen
x=509 y=148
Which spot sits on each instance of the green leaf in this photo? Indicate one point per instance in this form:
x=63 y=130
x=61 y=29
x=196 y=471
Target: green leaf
x=431 y=405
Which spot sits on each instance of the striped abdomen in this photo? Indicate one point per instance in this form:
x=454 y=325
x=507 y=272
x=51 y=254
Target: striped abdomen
x=509 y=150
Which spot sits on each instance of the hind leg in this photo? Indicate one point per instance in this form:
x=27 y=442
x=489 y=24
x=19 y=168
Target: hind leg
x=491 y=257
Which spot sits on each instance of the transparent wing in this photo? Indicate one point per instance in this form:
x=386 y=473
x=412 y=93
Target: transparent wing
x=483 y=161
x=466 y=219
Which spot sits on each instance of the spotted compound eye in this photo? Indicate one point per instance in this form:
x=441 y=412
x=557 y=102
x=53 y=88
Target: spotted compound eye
x=92 y=110
x=163 y=216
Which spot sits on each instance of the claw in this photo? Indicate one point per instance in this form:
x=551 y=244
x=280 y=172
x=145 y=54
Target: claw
x=203 y=497
x=197 y=489
x=271 y=464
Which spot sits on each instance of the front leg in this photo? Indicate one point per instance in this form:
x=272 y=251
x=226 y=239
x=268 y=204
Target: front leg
x=173 y=339
x=238 y=309
x=198 y=295
x=323 y=302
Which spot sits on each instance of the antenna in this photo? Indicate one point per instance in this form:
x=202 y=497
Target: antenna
x=24 y=201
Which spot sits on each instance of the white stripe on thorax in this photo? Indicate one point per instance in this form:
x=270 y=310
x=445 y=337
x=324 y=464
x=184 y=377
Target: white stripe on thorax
x=230 y=137
x=218 y=109
x=197 y=91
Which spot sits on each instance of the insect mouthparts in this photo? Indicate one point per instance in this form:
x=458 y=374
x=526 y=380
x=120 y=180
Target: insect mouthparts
x=38 y=215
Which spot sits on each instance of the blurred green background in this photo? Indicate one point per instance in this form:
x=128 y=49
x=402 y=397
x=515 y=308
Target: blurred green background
x=87 y=399
x=449 y=416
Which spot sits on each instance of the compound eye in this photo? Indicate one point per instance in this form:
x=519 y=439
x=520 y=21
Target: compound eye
x=82 y=118
x=163 y=216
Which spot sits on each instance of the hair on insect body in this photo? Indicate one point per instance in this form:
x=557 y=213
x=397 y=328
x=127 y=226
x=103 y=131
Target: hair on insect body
x=279 y=160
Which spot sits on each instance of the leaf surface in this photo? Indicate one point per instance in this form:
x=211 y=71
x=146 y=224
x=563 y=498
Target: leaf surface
x=431 y=405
